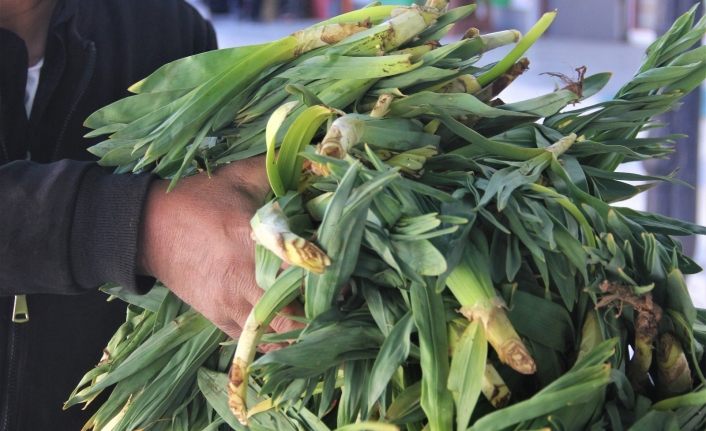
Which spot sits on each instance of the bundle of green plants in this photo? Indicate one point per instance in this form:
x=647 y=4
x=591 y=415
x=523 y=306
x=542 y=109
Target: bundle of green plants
x=464 y=263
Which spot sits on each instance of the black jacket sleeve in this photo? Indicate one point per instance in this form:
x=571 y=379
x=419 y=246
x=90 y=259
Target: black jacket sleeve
x=67 y=227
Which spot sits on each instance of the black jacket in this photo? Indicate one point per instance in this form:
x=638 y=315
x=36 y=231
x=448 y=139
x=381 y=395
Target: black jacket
x=67 y=225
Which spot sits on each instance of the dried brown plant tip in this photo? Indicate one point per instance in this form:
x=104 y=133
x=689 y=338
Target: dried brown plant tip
x=646 y=320
x=575 y=86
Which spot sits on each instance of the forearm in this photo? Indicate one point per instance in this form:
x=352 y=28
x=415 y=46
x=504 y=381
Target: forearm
x=68 y=227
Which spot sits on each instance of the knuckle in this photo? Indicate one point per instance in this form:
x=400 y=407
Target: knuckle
x=235 y=313
x=230 y=328
x=282 y=324
x=238 y=282
x=239 y=231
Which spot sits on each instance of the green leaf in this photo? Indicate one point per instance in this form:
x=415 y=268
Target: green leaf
x=382 y=309
x=273 y=126
x=451 y=104
x=420 y=255
x=345 y=67
x=572 y=249
x=266 y=266
x=214 y=386
x=125 y=389
x=175 y=132
x=505 y=181
x=149 y=301
x=131 y=108
x=692 y=399
x=436 y=399
x=196 y=143
x=480 y=143
x=467 y=369
x=542 y=321
x=393 y=353
x=174 y=334
x=340 y=234
x=678 y=297
x=164 y=391
x=355 y=379
x=406 y=406
x=523 y=45
x=418 y=76
x=321 y=348
x=662 y=224
x=446 y=20
x=656 y=421
x=576 y=387
x=298 y=136
x=408 y=134
x=169 y=309
x=189 y=72
x=368 y=426
x=374 y=13
x=282 y=292
x=306 y=96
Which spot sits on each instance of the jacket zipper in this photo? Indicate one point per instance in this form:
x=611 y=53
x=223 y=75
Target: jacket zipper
x=11 y=378
x=20 y=314
x=20 y=311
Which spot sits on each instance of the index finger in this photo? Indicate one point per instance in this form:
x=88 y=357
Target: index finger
x=281 y=322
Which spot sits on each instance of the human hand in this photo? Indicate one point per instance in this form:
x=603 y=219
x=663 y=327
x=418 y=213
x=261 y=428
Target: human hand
x=196 y=240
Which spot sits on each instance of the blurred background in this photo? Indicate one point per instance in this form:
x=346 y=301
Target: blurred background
x=603 y=35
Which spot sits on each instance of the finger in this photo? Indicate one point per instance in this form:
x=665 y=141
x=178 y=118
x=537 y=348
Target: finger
x=271 y=347
x=231 y=316
x=249 y=290
x=251 y=296
x=294 y=308
x=282 y=322
x=231 y=328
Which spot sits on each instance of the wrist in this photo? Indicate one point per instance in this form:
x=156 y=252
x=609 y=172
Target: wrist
x=151 y=229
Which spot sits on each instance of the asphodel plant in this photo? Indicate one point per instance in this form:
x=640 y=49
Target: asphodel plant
x=464 y=263
x=472 y=286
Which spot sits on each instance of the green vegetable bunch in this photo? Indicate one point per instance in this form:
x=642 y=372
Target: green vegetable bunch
x=462 y=261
